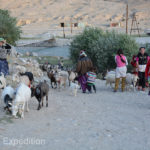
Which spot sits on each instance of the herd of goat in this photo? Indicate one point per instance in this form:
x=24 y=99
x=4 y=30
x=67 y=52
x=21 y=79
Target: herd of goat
x=17 y=99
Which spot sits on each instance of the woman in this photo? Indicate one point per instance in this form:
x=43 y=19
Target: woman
x=4 y=50
x=121 y=69
x=83 y=66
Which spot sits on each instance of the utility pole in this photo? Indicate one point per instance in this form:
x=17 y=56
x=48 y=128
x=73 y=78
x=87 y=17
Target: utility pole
x=71 y=24
x=63 y=26
x=127 y=14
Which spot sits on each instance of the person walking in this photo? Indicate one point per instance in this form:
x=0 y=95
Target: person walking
x=83 y=66
x=91 y=76
x=4 y=50
x=134 y=66
x=121 y=69
x=142 y=59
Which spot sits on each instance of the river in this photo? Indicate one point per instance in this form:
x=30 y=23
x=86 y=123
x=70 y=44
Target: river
x=46 y=51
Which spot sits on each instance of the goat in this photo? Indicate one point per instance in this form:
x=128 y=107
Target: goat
x=8 y=95
x=74 y=88
x=23 y=95
x=72 y=76
x=51 y=76
x=40 y=91
x=131 y=79
x=110 y=78
x=61 y=78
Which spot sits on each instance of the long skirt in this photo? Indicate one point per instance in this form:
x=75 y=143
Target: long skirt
x=4 y=67
x=82 y=80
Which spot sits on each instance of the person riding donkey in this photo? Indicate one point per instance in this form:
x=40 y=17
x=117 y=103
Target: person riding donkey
x=121 y=69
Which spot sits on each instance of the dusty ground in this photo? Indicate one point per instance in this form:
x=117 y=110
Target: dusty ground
x=101 y=121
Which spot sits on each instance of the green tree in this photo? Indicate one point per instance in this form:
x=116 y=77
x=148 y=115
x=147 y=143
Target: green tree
x=103 y=47
x=8 y=28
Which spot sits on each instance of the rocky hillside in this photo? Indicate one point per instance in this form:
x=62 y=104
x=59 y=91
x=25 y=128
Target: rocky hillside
x=40 y=16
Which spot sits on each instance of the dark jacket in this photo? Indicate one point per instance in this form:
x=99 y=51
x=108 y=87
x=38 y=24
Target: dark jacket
x=83 y=65
x=142 y=59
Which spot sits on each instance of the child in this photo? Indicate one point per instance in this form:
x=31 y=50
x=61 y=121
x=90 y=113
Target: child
x=91 y=76
x=134 y=65
x=147 y=74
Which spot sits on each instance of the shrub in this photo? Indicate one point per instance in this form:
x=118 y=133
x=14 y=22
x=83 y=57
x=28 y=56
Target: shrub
x=83 y=41
x=8 y=28
x=103 y=47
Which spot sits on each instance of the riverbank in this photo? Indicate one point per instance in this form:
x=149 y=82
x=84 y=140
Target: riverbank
x=62 y=51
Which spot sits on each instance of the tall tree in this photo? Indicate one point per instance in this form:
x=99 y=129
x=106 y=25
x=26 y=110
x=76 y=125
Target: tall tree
x=8 y=28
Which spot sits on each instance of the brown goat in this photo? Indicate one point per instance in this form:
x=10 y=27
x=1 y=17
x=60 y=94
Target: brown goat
x=52 y=78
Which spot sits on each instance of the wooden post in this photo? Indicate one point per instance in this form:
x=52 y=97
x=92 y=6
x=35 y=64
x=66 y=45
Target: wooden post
x=71 y=25
x=62 y=24
x=64 y=31
x=127 y=19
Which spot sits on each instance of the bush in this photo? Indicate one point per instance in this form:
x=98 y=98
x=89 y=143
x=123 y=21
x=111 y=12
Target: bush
x=102 y=46
x=8 y=27
x=83 y=41
x=147 y=46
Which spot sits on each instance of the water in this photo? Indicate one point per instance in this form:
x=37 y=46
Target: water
x=46 y=51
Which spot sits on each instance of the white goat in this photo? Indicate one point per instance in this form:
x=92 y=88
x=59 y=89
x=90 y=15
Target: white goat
x=131 y=80
x=61 y=78
x=23 y=95
x=110 y=78
x=74 y=88
x=72 y=76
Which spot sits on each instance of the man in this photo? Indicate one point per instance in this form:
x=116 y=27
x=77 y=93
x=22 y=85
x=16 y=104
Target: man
x=83 y=66
x=4 y=50
x=142 y=59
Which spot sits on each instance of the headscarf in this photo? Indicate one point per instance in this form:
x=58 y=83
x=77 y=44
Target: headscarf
x=82 y=53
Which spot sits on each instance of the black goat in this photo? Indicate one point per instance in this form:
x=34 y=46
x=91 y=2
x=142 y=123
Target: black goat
x=40 y=91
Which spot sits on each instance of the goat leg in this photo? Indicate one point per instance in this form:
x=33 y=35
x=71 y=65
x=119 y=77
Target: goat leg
x=27 y=106
x=39 y=106
x=46 y=100
x=52 y=84
x=55 y=85
x=42 y=100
